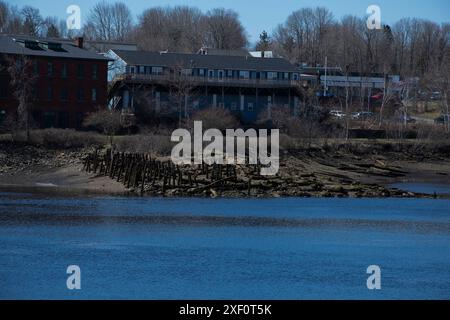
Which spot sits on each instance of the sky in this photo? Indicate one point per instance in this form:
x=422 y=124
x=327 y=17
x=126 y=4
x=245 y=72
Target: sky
x=259 y=15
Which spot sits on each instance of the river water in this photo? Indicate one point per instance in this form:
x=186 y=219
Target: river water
x=147 y=248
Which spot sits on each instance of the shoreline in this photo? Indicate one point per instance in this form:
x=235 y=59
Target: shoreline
x=312 y=173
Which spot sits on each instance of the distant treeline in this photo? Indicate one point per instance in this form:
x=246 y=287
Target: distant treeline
x=410 y=47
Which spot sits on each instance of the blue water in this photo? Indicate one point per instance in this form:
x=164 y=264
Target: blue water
x=135 y=248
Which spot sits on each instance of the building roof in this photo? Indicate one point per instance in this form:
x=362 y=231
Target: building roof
x=184 y=60
x=14 y=44
x=223 y=52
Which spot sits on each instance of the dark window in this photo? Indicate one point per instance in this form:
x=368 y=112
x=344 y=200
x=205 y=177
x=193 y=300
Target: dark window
x=50 y=69
x=36 y=67
x=35 y=93
x=64 y=70
x=63 y=118
x=80 y=72
x=3 y=88
x=94 y=71
x=80 y=94
x=2 y=116
x=94 y=94
x=49 y=93
x=33 y=45
x=79 y=120
x=64 y=94
x=49 y=119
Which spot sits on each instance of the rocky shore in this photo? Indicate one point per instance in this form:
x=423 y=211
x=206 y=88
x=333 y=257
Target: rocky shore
x=311 y=172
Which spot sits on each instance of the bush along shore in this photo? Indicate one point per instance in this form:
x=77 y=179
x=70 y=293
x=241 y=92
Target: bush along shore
x=145 y=175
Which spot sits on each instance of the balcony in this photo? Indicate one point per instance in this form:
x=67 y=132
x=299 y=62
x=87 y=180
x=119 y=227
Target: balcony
x=205 y=81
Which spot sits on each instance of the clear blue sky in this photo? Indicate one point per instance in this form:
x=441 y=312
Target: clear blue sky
x=258 y=15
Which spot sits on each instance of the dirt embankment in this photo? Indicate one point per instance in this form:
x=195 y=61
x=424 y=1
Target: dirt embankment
x=349 y=171
x=24 y=167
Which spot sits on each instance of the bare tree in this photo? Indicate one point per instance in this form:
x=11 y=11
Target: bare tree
x=110 y=22
x=51 y=25
x=32 y=20
x=181 y=87
x=304 y=35
x=224 y=30
x=178 y=29
x=109 y=121
x=23 y=81
x=4 y=15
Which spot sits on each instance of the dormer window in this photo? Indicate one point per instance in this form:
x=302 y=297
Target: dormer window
x=55 y=46
x=33 y=45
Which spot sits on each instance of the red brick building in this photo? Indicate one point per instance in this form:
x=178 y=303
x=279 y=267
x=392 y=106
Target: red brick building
x=69 y=80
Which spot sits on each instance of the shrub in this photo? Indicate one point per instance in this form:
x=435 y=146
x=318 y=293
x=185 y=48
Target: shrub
x=65 y=138
x=214 y=117
x=156 y=145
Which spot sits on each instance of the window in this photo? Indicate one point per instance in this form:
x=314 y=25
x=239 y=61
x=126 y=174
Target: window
x=35 y=93
x=94 y=95
x=244 y=74
x=201 y=72
x=80 y=94
x=211 y=74
x=3 y=89
x=250 y=106
x=63 y=119
x=186 y=72
x=2 y=115
x=80 y=72
x=141 y=69
x=64 y=94
x=230 y=73
x=33 y=45
x=286 y=76
x=157 y=70
x=95 y=72
x=295 y=76
x=36 y=67
x=64 y=70
x=49 y=93
x=272 y=75
x=50 y=69
x=233 y=106
x=79 y=120
x=196 y=104
x=49 y=119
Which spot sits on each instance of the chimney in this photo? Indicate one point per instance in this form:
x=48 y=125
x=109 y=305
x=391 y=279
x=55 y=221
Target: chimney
x=79 y=42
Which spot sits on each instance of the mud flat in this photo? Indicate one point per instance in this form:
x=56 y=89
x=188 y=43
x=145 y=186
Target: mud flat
x=311 y=172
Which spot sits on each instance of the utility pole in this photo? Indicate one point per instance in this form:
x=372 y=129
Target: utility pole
x=325 y=86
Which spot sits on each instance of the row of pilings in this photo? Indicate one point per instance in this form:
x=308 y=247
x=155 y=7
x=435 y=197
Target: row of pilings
x=144 y=173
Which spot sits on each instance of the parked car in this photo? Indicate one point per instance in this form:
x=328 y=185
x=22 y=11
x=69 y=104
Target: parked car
x=436 y=96
x=405 y=118
x=443 y=118
x=362 y=115
x=337 y=114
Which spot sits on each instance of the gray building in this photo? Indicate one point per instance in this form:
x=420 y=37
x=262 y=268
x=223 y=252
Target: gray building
x=241 y=83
